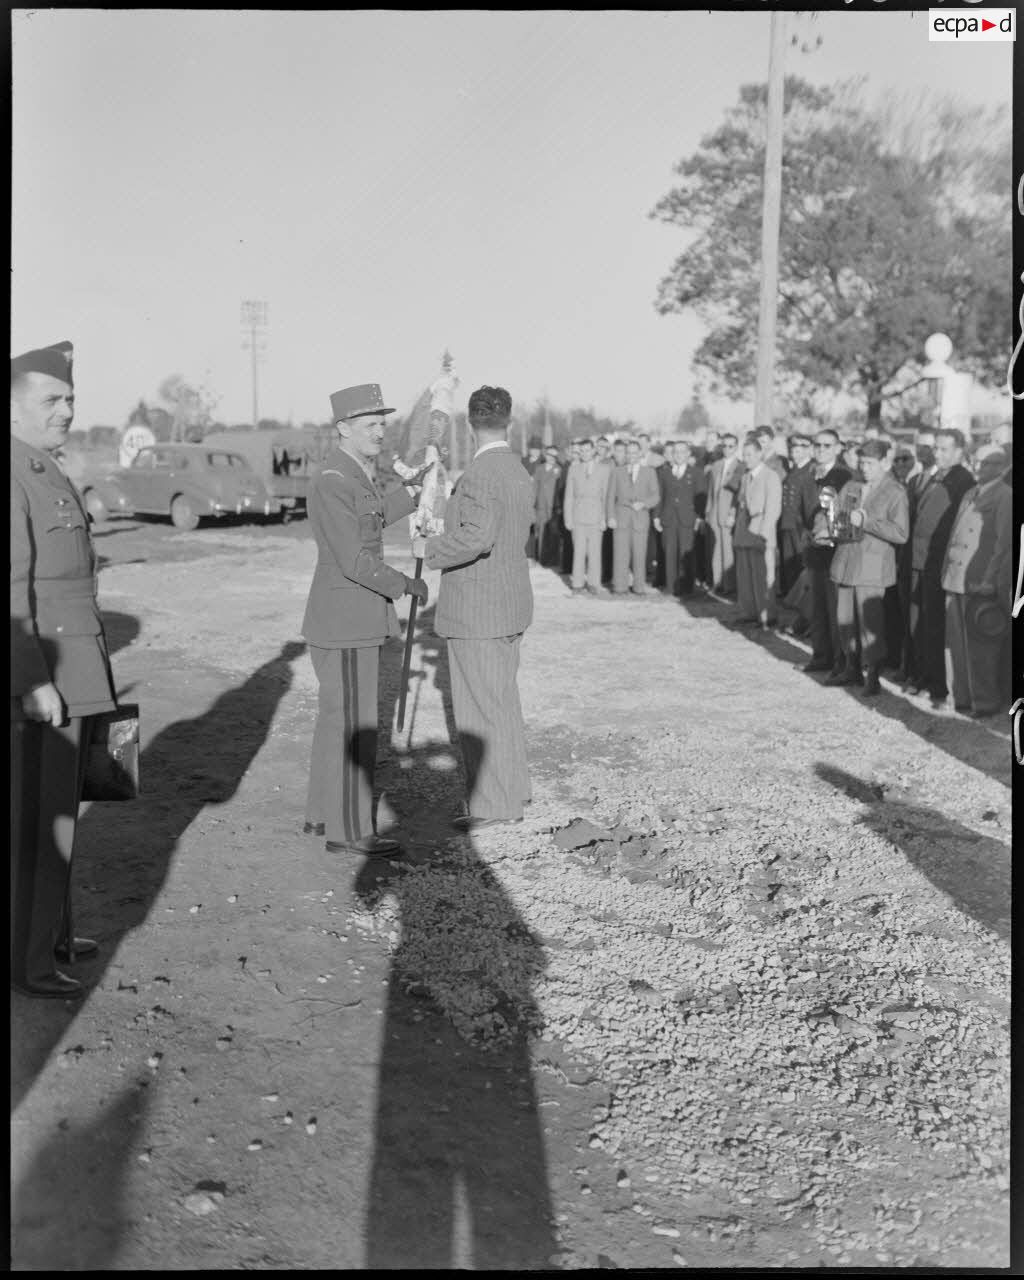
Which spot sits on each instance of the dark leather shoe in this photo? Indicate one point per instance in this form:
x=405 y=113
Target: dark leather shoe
x=837 y=679
x=815 y=665
x=469 y=823
x=872 y=687
x=313 y=829
x=368 y=847
x=56 y=987
x=83 y=948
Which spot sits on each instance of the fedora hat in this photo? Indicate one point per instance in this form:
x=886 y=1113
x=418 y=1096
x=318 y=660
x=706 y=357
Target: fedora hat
x=986 y=617
x=354 y=402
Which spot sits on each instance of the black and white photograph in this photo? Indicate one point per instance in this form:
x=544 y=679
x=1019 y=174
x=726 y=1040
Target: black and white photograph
x=513 y=577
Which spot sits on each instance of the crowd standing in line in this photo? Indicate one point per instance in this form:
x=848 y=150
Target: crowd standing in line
x=887 y=558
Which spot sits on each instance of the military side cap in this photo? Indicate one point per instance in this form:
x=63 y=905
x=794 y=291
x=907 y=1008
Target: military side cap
x=55 y=360
x=986 y=617
x=354 y=402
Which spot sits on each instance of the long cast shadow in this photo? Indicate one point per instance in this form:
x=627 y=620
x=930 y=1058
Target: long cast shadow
x=120 y=863
x=971 y=743
x=973 y=870
x=457 y=1118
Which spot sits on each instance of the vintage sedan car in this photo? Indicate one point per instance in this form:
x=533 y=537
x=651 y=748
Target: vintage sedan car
x=183 y=481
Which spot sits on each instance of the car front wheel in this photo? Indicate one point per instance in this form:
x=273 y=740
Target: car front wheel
x=183 y=515
x=95 y=506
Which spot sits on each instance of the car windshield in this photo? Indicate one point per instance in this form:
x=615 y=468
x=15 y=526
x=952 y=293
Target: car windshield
x=227 y=460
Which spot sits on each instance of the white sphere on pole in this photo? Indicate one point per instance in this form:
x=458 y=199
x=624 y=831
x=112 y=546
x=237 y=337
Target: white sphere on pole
x=938 y=348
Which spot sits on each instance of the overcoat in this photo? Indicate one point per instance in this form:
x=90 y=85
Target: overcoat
x=349 y=605
x=871 y=562
x=980 y=550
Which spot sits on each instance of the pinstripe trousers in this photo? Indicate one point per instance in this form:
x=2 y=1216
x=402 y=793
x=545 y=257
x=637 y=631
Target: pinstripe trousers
x=344 y=751
x=489 y=719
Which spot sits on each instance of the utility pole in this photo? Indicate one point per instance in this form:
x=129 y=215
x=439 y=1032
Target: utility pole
x=254 y=322
x=770 y=218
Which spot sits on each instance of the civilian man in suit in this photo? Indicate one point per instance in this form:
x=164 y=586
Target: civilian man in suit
x=586 y=489
x=798 y=481
x=754 y=537
x=679 y=514
x=349 y=615
x=484 y=605
x=976 y=576
x=60 y=672
x=547 y=508
x=862 y=570
x=632 y=495
x=935 y=506
x=826 y=649
x=723 y=484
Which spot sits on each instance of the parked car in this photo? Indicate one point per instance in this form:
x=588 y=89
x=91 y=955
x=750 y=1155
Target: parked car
x=284 y=459
x=184 y=481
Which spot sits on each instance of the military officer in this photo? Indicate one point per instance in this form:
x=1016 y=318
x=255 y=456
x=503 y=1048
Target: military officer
x=60 y=672
x=349 y=615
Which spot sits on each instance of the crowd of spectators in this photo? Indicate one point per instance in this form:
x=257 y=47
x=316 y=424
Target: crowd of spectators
x=887 y=557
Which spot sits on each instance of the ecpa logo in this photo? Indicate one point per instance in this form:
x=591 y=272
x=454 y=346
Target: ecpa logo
x=967 y=24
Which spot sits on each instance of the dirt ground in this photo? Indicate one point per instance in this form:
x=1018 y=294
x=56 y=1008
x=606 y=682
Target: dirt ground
x=757 y=1014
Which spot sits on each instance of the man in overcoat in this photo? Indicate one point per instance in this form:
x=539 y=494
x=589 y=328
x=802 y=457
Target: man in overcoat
x=633 y=493
x=977 y=578
x=862 y=570
x=829 y=473
x=679 y=514
x=60 y=672
x=349 y=615
x=547 y=508
x=484 y=605
x=754 y=537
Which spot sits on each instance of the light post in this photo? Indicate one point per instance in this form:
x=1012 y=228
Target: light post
x=937 y=349
x=254 y=321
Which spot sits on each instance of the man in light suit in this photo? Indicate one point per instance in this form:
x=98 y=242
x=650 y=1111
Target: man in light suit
x=723 y=484
x=484 y=605
x=754 y=537
x=977 y=578
x=632 y=495
x=349 y=615
x=583 y=513
x=862 y=570
x=679 y=515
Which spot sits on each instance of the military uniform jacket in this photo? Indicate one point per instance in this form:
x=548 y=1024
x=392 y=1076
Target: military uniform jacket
x=485 y=581
x=56 y=632
x=797 y=488
x=871 y=562
x=980 y=550
x=682 y=497
x=350 y=597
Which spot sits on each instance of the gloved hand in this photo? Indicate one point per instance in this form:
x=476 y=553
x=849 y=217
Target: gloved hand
x=416 y=587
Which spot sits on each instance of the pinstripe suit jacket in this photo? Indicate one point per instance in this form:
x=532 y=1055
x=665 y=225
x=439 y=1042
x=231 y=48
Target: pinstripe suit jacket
x=485 y=582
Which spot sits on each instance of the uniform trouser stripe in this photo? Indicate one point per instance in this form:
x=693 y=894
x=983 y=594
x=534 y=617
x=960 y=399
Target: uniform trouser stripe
x=344 y=750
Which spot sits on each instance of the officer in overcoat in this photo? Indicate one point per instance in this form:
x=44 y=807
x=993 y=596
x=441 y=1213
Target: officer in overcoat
x=60 y=672
x=349 y=615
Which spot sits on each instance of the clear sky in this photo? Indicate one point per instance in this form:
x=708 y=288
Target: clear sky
x=391 y=184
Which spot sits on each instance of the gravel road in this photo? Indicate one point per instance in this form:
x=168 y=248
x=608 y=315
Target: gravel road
x=735 y=994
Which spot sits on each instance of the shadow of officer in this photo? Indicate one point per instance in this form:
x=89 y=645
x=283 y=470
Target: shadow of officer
x=457 y=1111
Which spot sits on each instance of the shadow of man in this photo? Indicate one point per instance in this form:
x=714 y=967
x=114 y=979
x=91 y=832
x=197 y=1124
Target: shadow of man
x=973 y=870
x=187 y=766
x=457 y=1119
x=69 y=1211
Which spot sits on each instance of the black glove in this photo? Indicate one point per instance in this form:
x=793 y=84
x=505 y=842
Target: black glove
x=416 y=587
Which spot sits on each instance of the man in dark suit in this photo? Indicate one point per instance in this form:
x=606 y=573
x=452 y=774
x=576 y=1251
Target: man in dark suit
x=826 y=650
x=680 y=514
x=349 y=615
x=60 y=672
x=484 y=606
x=798 y=478
x=935 y=506
x=548 y=487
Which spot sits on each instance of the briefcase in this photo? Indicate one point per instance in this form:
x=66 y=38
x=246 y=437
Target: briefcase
x=112 y=763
